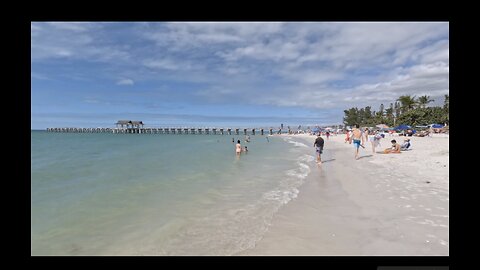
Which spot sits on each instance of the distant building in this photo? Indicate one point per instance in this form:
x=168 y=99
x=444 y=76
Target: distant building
x=129 y=123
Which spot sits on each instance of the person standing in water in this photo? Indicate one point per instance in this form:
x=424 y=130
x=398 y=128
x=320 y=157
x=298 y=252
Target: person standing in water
x=238 y=148
x=318 y=144
x=357 y=138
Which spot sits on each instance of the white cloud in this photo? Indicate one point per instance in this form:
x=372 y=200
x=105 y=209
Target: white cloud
x=311 y=76
x=80 y=41
x=180 y=36
x=315 y=65
x=423 y=79
x=92 y=101
x=39 y=76
x=163 y=64
x=125 y=82
x=419 y=80
x=172 y=64
x=71 y=26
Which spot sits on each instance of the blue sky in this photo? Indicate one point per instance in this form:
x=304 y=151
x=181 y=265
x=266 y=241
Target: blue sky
x=241 y=74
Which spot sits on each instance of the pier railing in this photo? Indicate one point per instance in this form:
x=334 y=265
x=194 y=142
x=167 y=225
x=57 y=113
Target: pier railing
x=172 y=130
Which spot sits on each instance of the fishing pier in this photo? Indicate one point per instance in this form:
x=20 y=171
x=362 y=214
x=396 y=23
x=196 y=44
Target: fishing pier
x=137 y=127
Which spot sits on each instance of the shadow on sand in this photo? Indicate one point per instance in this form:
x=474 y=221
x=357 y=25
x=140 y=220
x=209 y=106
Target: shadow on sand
x=328 y=160
x=365 y=156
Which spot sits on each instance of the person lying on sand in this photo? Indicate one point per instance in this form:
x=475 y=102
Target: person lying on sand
x=395 y=149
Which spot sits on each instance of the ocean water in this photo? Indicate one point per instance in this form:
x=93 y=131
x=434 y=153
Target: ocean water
x=154 y=194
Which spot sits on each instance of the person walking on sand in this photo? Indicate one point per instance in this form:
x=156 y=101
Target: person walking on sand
x=327 y=134
x=357 y=138
x=370 y=137
x=367 y=133
x=376 y=140
x=238 y=148
x=347 y=139
x=318 y=144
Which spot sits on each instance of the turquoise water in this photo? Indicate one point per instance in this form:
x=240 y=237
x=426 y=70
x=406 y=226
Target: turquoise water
x=153 y=194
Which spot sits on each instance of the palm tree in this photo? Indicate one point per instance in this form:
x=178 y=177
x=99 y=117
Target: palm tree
x=424 y=100
x=407 y=102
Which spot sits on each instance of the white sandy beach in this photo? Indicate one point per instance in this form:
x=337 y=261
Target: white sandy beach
x=380 y=204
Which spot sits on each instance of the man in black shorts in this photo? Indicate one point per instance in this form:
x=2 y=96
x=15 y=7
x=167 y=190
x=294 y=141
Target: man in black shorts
x=319 y=148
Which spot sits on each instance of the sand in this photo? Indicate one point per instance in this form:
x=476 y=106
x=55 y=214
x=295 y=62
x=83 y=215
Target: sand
x=381 y=204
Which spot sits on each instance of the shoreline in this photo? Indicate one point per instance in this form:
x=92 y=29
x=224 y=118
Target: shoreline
x=377 y=205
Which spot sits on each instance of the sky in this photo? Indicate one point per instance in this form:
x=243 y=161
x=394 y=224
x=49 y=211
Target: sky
x=229 y=74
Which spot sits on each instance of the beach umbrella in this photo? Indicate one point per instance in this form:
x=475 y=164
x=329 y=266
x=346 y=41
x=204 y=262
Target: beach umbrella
x=382 y=126
x=315 y=129
x=403 y=127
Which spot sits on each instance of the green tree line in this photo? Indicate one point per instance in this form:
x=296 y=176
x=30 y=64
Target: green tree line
x=405 y=110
